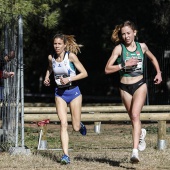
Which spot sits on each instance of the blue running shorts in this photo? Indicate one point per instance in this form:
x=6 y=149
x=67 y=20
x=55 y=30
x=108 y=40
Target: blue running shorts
x=67 y=94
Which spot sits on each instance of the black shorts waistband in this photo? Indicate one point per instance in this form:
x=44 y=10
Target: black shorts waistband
x=67 y=88
x=141 y=80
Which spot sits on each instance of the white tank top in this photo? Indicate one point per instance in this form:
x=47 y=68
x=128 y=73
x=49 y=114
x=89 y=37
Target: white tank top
x=63 y=68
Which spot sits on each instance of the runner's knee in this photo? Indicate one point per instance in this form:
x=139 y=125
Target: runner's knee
x=64 y=125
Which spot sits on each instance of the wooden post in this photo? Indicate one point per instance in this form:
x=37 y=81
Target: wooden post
x=161 y=134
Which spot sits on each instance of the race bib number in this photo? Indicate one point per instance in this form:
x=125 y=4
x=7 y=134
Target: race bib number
x=57 y=80
x=136 y=68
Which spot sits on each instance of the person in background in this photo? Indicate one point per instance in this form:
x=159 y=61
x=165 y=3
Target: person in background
x=129 y=55
x=64 y=63
x=4 y=74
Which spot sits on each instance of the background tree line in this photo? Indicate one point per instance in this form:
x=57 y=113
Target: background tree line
x=92 y=22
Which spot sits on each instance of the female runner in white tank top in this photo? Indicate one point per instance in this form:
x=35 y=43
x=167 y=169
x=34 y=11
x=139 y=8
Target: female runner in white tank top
x=64 y=63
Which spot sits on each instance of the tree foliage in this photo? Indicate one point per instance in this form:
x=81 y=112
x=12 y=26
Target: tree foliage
x=92 y=22
x=41 y=8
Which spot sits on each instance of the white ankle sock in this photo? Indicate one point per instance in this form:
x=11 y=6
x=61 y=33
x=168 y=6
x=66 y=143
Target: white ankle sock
x=135 y=150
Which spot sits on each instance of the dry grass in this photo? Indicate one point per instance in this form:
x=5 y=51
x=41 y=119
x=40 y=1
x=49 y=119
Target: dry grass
x=109 y=150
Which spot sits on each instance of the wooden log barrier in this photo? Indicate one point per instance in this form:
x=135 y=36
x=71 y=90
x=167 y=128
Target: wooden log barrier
x=94 y=109
x=160 y=113
x=99 y=117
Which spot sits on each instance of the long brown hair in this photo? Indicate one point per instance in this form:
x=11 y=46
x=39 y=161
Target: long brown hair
x=116 y=35
x=70 y=42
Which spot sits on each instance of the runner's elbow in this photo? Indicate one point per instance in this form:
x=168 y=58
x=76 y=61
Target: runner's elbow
x=107 y=71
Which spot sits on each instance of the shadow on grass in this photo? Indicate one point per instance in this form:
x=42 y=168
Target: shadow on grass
x=48 y=154
x=112 y=163
x=102 y=160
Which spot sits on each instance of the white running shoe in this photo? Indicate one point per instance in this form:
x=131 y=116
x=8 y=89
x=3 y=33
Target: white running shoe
x=135 y=156
x=142 y=143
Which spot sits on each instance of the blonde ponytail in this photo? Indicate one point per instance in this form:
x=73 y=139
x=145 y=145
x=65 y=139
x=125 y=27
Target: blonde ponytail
x=116 y=38
x=71 y=44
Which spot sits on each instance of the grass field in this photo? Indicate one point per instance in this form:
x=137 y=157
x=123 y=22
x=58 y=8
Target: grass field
x=109 y=150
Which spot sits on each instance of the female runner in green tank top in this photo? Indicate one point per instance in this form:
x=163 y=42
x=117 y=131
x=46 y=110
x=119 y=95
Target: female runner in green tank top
x=130 y=56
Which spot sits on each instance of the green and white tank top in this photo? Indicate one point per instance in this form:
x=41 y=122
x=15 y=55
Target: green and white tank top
x=131 y=71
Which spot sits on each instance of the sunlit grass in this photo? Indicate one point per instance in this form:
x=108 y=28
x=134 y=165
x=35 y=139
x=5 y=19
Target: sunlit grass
x=110 y=149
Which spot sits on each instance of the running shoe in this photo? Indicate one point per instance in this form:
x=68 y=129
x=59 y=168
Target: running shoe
x=135 y=157
x=82 y=129
x=142 y=143
x=65 y=160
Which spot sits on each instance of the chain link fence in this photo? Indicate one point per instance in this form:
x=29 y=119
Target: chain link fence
x=11 y=87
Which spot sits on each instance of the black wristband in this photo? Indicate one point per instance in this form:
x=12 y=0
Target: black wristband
x=123 y=65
